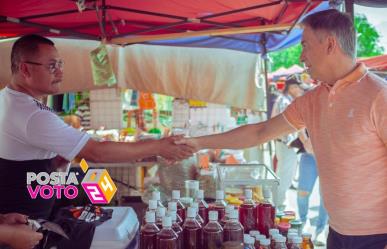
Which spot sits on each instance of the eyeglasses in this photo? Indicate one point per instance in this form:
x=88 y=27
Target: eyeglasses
x=52 y=66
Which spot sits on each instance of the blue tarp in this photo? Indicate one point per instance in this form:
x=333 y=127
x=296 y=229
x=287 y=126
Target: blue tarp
x=247 y=42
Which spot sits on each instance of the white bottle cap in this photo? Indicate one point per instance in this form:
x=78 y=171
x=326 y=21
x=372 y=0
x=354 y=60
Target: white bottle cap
x=277 y=236
x=195 y=205
x=297 y=240
x=254 y=233
x=266 y=193
x=213 y=215
x=156 y=195
x=152 y=204
x=172 y=206
x=150 y=216
x=229 y=208
x=292 y=235
x=160 y=211
x=247 y=239
x=234 y=214
x=248 y=194
x=307 y=235
x=219 y=194
x=193 y=184
x=191 y=213
x=167 y=221
x=173 y=216
x=292 y=230
x=260 y=236
x=273 y=231
x=281 y=239
x=265 y=242
x=176 y=194
x=200 y=194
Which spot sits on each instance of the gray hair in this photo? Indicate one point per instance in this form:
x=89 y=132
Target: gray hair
x=337 y=24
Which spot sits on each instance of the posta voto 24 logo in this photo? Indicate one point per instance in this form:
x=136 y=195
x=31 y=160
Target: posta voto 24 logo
x=97 y=184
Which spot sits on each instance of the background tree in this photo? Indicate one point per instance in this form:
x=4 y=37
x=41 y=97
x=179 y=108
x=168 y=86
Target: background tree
x=368 y=44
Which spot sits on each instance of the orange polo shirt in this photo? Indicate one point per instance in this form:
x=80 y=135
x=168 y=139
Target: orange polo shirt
x=347 y=124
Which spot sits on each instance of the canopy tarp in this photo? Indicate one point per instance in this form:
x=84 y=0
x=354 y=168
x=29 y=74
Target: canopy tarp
x=377 y=63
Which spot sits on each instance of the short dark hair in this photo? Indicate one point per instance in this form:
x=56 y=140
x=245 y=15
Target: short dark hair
x=26 y=45
x=335 y=23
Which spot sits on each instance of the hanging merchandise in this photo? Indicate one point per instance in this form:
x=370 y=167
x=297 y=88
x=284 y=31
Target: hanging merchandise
x=197 y=103
x=134 y=98
x=101 y=67
x=146 y=101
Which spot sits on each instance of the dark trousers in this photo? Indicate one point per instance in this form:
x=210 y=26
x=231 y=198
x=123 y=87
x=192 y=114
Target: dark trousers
x=339 y=241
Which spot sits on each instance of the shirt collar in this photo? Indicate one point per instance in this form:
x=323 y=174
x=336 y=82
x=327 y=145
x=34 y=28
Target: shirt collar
x=355 y=76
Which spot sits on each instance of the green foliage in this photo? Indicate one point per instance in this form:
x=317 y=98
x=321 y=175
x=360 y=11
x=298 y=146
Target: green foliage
x=368 y=44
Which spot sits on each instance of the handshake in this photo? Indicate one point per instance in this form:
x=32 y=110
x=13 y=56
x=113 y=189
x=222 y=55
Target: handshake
x=176 y=148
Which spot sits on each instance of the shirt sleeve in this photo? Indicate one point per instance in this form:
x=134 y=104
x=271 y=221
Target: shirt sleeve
x=294 y=113
x=378 y=114
x=46 y=130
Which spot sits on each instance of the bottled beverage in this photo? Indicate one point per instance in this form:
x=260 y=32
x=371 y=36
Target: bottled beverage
x=290 y=236
x=280 y=243
x=203 y=205
x=167 y=238
x=192 y=231
x=152 y=207
x=228 y=209
x=180 y=206
x=177 y=229
x=248 y=212
x=274 y=239
x=160 y=213
x=232 y=245
x=255 y=234
x=283 y=228
x=148 y=234
x=307 y=241
x=233 y=230
x=195 y=205
x=212 y=232
x=296 y=243
x=220 y=204
x=249 y=242
x=156 y=196
x=265 y=244
x=172 y=206
x=266 y=213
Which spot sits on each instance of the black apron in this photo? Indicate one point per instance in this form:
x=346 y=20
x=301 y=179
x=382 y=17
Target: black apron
x=14 y=196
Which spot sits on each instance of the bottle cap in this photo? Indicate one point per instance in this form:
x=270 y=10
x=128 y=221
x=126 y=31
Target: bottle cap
x=167 y=221
x=176 y=194
x=307 y=235
x=234 y=214
x=229 y=208
x=297 y=240
x=156 y=195
x=292 y=230
x=273 y=231
x=195 y=205
x=292 y=235
x=248 y=194
x=172 y=206
x=219 y=194
x=260 y=236
x=247 y=239
x=191 y=213
x=200 y=194
x=152 y=204
x=213 y=215
x=254 y=233
x=281 y=239
x=150 y=216
x=266 y=193
x=173 y=216
x=160 y=211
x=265 y=242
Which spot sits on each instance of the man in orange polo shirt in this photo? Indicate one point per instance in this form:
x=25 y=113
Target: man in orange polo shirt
x=346 y=117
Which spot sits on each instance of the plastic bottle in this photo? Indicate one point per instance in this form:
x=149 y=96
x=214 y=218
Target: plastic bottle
x=195 y=205
x=180 y=206
x=152 y=207
x=192 y=231
x=265 y=244
x=176 y=228
x=296 y=243
x=148 y=234
x=220 y=204
x=172 y=206
x=212 y=232
x=167 y=238
x=274 y=239
x=233 y=229
x=280 y=243
x=160 y=213
x=255 y=234
x=156 y=196
x=272 y=233
x=248 y=242
x=248 y=212
x=203 y=205
x=290 y=238
x=307 y=241
x=228 y=209
x=266 y=213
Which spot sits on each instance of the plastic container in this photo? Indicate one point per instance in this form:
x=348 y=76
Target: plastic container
x=248 y=212
x=148 y=234
x=152 y=207
x=180 y=206
x=283 y=228
x=280 y=243
x=192 y=231
x=248 y=242
x=156 y=196
x=290 y=238
x=119 y=232
x=176 y=228
x=203 y=206
x=233 y=230
x=265 y=244
x=273 y=232
x=228 y=209
x=172 y=206
x=296 y=243
x=265 y=213
x=160 y=213
x=307 y=241
x=296 y=224
x=167 y=238
x=195 y=205
x=212 y=232
x=191 y=188
x=220 y=204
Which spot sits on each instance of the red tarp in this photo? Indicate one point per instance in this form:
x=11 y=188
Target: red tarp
x=377 y=63
x=135 y=17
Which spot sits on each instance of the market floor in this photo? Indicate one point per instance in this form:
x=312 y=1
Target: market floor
x=291 y=204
